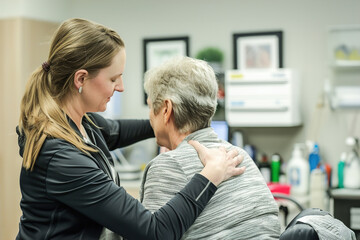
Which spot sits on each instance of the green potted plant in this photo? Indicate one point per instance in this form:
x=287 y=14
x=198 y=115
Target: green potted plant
x=213 y=55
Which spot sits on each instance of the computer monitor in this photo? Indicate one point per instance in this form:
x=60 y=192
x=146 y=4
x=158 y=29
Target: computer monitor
x=221 y=128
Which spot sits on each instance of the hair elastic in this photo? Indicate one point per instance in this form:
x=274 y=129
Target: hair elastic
x=46 y=66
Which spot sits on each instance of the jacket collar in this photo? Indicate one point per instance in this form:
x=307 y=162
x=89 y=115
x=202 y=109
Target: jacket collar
x=73 y=125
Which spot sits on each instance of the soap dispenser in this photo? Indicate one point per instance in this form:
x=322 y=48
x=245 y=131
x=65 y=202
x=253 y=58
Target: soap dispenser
x=298 y=171
x=352 y=164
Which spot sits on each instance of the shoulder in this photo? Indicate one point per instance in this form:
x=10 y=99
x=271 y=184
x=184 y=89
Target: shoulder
x=183 y=155
x=68 y=167
x=247 y=161
x=163 y=162
x=52 y=146
x=60 y=153
x=165 y=168
x=65 y=167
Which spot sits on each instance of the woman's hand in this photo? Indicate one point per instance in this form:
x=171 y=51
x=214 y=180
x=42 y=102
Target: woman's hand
x=219 y=164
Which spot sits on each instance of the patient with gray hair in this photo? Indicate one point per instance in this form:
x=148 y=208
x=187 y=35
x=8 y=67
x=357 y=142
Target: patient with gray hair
x=182 y=101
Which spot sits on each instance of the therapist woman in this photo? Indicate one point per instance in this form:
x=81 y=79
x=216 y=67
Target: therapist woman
x=69 y=187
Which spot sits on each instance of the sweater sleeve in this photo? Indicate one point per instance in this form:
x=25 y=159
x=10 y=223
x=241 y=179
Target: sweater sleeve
x=122 y=133
x=76 y=181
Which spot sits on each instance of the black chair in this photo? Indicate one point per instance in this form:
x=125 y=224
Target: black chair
x=297 y=230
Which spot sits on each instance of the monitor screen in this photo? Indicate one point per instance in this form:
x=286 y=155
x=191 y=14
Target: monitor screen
x=221 y=128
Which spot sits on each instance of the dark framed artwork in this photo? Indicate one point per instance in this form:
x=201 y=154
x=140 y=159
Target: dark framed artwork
x=258 y=50
x=159 y=50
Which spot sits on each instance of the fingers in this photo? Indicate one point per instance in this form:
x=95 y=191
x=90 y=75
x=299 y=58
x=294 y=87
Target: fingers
x=201 y=151
x=220 y=164
x=214 y=155
x=198 y=147
x=238 y=160
x=232 y=154
x=239 y=171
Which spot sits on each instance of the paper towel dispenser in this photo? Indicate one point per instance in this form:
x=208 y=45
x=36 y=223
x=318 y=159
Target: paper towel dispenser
x=262 y=98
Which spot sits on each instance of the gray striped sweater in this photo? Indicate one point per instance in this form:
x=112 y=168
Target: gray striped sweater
x=242 y=207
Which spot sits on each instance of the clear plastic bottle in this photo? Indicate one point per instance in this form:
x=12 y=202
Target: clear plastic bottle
x=298 y=172
x=265 y=168
x=352 y=164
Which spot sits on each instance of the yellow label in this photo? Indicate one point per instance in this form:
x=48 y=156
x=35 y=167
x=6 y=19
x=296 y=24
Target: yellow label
x=236 y=76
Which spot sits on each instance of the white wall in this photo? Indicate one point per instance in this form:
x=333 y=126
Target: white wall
x=211 y=22
x=48 y=10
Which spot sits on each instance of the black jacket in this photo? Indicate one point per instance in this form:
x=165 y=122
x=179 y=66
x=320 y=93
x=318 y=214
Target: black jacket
x=70 y=195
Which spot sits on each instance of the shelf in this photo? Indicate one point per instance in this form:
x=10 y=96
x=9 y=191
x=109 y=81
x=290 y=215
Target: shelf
x=346 y=64
x=343 y=85
x=344 y=46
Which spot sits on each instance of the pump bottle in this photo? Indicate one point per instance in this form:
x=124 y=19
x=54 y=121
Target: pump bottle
x=352 y=165
x=298 y=172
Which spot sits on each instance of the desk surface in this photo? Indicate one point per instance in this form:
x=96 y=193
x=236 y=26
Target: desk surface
x=345 y=193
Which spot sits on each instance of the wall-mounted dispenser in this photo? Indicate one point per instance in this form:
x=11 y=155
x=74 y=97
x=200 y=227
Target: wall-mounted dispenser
x=266 y=98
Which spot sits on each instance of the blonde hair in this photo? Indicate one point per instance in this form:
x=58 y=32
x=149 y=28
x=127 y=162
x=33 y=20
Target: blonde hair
x=77 y=44
x=192 y=87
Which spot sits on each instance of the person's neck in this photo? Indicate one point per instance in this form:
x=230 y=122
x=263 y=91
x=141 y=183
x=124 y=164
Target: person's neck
x=73 y=109
x=175 y=138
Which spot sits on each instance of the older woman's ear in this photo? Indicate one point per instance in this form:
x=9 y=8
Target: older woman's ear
x=167 y=110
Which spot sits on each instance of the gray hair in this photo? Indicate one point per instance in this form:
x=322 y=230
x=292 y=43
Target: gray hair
x=191 y=85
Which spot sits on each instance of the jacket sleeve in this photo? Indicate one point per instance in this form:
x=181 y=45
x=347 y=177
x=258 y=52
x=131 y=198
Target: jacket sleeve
x=76 y=181
x=122 y=133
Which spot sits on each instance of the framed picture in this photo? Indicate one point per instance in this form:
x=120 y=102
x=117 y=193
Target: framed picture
x=159 y=50
x=258 y=50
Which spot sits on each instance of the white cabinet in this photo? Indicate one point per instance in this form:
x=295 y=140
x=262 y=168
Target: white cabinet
x=343 y=85
x=262 y=98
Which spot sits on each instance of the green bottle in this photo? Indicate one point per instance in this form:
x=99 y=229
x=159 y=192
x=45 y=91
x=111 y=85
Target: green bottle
x=275 y=168
x=341 y=166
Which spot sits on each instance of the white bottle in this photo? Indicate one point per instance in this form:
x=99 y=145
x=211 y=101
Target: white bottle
x=317 y=189
x=298 y=172
x=352 y=165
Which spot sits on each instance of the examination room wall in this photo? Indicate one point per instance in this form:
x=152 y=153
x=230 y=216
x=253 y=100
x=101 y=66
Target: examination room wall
x=305 y=27
x=23 y=44
x=207 y=23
